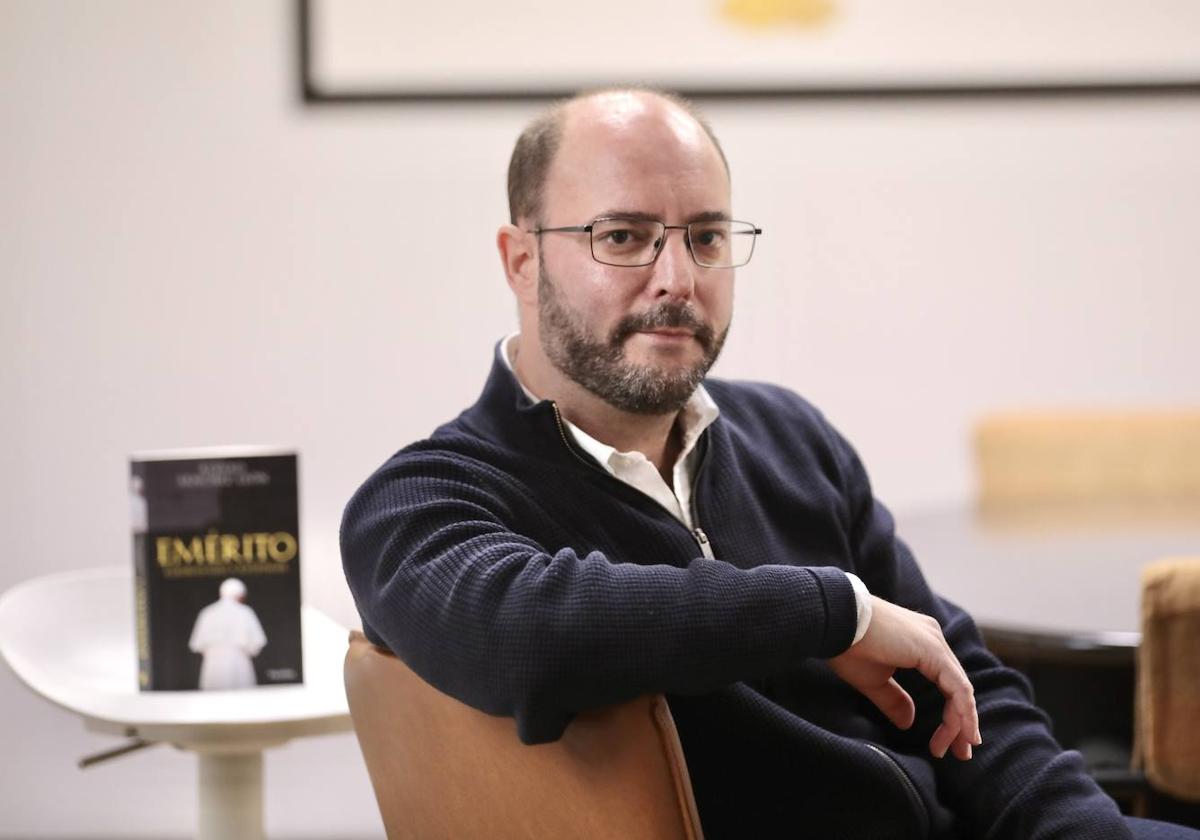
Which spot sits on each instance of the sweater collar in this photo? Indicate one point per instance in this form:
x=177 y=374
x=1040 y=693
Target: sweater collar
x=507 y=414
x=696 y=415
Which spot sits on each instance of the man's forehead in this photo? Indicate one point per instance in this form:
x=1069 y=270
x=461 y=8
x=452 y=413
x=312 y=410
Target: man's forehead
x=635 y=149
x=616 y=118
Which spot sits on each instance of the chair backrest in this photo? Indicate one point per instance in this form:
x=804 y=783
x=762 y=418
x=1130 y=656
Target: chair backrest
x=1147 y=459
x=442 y=769
x=1167 y=741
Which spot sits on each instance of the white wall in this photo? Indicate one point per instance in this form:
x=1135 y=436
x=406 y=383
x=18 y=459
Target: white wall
x=188 y=256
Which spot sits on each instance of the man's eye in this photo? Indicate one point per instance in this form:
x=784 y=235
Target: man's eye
x=620 y=237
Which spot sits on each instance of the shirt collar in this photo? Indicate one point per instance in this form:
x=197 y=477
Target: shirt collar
x=698 y=414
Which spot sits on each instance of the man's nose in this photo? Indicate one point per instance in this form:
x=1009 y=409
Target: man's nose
x=674 y=270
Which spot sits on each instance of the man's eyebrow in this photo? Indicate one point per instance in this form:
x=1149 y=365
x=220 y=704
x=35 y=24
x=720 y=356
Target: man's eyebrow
x=642 y=216
x=710 y=216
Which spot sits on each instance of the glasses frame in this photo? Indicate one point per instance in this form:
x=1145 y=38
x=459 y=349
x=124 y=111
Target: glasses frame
x=662 y=241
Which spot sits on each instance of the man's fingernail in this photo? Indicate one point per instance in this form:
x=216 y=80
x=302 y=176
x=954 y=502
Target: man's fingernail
x=968 y=751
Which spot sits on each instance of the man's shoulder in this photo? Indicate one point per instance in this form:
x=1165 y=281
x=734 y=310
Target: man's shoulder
x=450 y=455
x=421 y=476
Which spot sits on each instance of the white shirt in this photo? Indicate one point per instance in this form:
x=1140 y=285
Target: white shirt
x=636 y=470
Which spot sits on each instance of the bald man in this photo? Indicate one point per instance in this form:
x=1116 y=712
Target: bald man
x=606 y=522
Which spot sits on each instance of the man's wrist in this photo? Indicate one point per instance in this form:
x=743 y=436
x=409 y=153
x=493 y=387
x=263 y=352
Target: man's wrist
x=862 y=598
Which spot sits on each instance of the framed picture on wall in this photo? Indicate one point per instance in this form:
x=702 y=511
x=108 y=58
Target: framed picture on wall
x=385 y=49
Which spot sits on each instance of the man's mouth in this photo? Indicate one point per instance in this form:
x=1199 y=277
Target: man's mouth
x=673 y=332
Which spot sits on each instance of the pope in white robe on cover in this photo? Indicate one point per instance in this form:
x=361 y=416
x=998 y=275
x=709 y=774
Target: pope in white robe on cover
x=229 y=635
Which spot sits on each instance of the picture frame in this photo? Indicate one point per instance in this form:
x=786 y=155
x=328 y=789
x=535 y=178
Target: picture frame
x=379 y=51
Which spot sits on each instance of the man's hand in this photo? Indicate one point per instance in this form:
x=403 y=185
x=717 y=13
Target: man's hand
x=900 y=638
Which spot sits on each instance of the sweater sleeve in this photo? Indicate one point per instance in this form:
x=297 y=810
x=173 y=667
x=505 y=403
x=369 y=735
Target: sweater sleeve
x=442 y=575
x=1020 y=783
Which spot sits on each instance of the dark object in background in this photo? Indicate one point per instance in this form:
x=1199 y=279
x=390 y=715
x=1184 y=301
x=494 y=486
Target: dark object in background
x=1088 y=693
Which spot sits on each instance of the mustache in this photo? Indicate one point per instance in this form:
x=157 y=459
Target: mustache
x=669 y=315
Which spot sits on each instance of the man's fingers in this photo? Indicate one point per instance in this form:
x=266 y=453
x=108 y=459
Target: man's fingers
x=942 y=738
x=896 y=703
x=952 y=681
x=959 y=690
x=953 y=735
x=962 y=747
x=900 y=638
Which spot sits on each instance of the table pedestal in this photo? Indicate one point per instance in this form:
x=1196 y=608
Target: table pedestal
x=231 y=795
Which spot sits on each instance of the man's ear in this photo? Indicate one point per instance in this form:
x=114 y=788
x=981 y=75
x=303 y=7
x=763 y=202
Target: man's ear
x=519 y=257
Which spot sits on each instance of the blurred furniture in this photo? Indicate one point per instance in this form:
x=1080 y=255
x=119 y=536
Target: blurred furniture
x=1144 y=462
x=1072 y=492
x=70 y=638
x=1071 y=505
x=1070 y=588
x=1058 y=602
x=441 y=769
x=1167 y=741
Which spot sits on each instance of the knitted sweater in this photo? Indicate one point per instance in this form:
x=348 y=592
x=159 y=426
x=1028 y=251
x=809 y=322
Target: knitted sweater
x=511 y=571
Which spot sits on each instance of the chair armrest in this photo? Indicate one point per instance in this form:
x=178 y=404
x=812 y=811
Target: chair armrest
x=442 y=769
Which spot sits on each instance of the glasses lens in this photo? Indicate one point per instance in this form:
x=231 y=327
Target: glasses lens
x=722 y=244
x=625 y=241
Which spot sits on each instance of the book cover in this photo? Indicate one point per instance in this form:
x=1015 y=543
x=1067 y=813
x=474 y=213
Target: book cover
x=216 y=552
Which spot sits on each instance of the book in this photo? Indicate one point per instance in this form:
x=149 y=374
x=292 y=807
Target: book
x=216 y=553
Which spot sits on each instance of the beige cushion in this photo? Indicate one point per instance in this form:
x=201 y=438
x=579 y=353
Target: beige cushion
x=1167 y=740
x=442 y=769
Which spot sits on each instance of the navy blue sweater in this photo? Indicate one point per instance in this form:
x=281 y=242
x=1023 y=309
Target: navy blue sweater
x=511 y=571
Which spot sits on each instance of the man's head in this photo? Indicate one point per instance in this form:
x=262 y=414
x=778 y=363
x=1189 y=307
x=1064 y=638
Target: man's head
x=641 y=338
x=233 y=589
x=536 y=147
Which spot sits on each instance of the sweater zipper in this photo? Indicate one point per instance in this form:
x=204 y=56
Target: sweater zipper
x=922 y=813
x=701 y=539
x=697 y=532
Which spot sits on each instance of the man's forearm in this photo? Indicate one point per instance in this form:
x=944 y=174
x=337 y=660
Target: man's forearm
x=495 y=620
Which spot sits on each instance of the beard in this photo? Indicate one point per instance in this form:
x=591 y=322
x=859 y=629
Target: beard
x=600 y=366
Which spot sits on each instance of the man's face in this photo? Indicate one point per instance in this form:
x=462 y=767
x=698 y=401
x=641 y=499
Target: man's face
x=640 y=338
x=601 y=364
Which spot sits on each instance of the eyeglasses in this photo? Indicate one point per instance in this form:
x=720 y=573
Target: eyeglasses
x=637 y=242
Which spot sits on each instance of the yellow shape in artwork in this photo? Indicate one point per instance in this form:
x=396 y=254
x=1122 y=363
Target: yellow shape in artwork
x=770 y=13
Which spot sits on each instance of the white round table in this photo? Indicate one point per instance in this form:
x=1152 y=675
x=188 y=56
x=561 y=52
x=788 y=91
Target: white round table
x=1069 y=580
x=70 y=638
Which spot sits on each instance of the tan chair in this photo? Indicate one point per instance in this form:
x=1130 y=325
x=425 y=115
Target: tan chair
x=1140 y=461
x=1167 y=739
x=442 y=769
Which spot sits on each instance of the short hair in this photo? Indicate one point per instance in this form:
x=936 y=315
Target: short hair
x=539 y=142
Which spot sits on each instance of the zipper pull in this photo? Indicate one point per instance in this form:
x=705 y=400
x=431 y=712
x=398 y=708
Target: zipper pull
x=702 y=541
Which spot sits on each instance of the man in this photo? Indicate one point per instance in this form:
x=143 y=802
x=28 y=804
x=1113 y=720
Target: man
x=605 y=522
